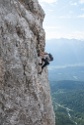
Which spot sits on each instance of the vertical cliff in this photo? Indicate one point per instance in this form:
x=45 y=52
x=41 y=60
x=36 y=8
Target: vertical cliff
x=24 y=94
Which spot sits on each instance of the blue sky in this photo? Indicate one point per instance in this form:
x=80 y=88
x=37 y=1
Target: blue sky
x=64 y=18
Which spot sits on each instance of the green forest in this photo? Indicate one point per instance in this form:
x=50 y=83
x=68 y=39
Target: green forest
x=68 y=102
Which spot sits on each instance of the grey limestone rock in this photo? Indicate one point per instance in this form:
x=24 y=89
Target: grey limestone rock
x=24 y=94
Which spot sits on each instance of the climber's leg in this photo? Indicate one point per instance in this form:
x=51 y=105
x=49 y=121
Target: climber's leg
x=44 y=65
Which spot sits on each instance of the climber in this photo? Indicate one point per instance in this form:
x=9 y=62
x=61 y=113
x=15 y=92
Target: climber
x=45 y=60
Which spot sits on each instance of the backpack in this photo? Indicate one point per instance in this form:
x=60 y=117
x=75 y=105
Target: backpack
x=51 y=57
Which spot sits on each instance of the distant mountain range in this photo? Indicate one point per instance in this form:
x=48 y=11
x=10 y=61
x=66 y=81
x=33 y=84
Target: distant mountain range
x=66 y=51
x=68 y=61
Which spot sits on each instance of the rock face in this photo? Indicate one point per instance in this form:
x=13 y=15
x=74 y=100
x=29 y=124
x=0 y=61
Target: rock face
x=24 y=94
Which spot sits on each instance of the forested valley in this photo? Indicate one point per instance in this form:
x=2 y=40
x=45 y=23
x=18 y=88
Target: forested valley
x=68 y=102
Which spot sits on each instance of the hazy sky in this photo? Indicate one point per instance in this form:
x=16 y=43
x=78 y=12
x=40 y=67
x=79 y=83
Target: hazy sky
x=64 y=18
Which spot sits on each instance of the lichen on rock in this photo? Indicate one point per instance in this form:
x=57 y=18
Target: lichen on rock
x=24 y=94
